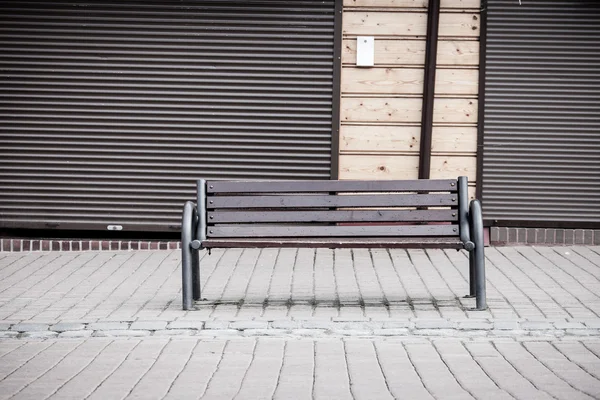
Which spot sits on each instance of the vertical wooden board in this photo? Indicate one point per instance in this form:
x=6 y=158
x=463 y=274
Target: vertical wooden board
x=387 y=3
x=463 y=24
x=389 y=52
x=381 y=109
x=377 y=138
x=456 y=81
x=379 y=167
x=382 y=80
x=384 y=23
x=404 y=110
x=454 y=139
x=458 y=52
x=451 y=111
x=446 y=167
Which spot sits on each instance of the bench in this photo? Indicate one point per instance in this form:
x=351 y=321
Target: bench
x=332 y=214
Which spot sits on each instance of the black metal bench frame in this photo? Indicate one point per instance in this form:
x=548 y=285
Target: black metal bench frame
x=332 y=214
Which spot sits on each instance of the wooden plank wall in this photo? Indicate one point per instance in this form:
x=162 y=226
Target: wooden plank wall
x=381 y=105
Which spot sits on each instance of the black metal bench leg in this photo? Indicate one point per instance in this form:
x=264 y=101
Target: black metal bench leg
x=477 y=256
x=196 y=274
x=188 y=225
x=472 y=275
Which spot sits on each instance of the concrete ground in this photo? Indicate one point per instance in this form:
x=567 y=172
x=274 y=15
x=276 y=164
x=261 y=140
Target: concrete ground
x=301 y=324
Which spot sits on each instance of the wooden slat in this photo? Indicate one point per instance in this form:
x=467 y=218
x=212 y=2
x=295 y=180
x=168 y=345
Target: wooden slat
x=378 y=166
x=411 y=243
x=409 y=24
x=405 y=139
x=242 y=231
x=432 y=185
x=216 y=217
x=379 y=139
x=390 y=52
x=446 y=166
x=407 y=81
x=412 y=3
x=305 y=201
x=391 y=109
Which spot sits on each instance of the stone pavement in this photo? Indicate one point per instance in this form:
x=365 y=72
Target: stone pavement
x=301 y=323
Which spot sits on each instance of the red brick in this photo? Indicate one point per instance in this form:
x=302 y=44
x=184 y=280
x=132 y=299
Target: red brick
x=76 y=246
x=16 y=244
x=94 y=245
x=45 y=245
x=114 y=245
x=134 y=245
x=26 y=245
x=35 y=245
x=172 y=245
x=144 y=245
x=55 y=245
x=105 y=245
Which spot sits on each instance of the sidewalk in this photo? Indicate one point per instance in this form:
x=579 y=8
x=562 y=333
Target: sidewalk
x=301 y=324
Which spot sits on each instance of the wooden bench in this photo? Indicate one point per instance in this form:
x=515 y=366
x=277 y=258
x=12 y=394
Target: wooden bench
x=332 y=214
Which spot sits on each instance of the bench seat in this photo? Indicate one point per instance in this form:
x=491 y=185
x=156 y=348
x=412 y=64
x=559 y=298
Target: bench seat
x=355 y=242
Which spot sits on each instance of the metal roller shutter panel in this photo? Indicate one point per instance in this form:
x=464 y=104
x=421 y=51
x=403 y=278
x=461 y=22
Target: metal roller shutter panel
x=109 y=110
x=541 y=157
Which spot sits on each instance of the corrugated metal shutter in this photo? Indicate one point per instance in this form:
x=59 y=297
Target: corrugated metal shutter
x=541 y=161
x=109 y=110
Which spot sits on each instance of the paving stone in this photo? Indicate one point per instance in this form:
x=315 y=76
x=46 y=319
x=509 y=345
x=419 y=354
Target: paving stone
x=506 y=324
x=242 y=325
x=108 y=326
x=39 y=334
x=359 y=326
x=149 y=325
x=121 y=333
x=285 y=324
x=507 y=333
x=391 y=332
x=67 y=326
x=357 y=318
x=309 y=332
x=398 y=324
x=174 y=332
x=29 y=327
x=181 y=324
x=218 y=324
x=583 y=332
x=475 y=325
x=592 y=323
x=536 y=325
x=352 y=332
x=219 y=332
x=4 y=326
x=568 y=325
x=317 y=324
x=265 y=332
x=433 y=324
x=76 y=334
x=435 y=332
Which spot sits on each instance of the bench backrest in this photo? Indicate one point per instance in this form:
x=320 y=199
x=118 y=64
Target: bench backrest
x=279 y=209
